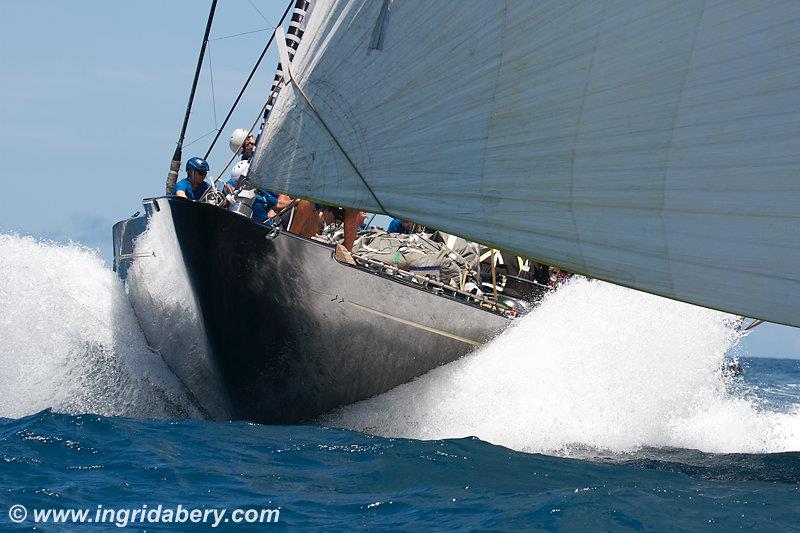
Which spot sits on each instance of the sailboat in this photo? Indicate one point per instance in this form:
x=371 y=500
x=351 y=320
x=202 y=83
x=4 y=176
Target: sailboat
x=646 y=144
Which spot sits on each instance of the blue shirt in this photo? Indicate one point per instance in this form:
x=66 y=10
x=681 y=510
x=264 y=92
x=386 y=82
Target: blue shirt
x=192 y=193
x=396 y=226
x=262 y=203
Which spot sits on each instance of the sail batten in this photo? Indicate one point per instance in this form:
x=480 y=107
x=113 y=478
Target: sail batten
x=651 y=145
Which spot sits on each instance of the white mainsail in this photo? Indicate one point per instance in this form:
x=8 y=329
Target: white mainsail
x=650 y=144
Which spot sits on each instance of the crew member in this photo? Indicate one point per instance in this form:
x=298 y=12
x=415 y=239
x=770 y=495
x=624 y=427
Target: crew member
x=353 y=219
x=194 y=185
x=399 y=226
x=301 y=216
x=241 y=142
x=264 y=200
x=249 y=146
x=306 y=218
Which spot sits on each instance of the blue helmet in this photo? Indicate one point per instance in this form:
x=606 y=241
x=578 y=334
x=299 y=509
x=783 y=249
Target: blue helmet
x=197 y=163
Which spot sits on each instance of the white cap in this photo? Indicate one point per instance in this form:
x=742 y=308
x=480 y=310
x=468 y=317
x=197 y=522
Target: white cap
x=239 y=168
x=238 y=137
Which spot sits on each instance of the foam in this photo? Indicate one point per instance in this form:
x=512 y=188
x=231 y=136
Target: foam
x=69 y=339
x=595 y=366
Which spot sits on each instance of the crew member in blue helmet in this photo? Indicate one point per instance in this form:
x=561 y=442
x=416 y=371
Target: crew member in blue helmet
x=399 y=226
x=194 y=184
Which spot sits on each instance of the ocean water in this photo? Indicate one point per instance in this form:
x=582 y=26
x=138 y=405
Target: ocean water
x=604 y=409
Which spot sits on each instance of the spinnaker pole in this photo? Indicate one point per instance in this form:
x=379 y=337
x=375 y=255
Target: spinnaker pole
x=175 y=165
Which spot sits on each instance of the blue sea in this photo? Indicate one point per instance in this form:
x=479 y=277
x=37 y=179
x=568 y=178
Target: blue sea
x=604 y=409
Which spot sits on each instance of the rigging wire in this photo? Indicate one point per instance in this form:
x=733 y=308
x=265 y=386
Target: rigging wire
x=240 y=34
x=308 y=102
x=259 y=12
x=247 y=82
x=175 y=164
x=249 y=132
x=213 y=97
x=200 y=138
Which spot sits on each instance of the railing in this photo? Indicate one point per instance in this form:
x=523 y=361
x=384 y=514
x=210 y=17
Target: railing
x=482 y=301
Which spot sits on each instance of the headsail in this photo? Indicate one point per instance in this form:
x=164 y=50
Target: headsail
x=648 y=144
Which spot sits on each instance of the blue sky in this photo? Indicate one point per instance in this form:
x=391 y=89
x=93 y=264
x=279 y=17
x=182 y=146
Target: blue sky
x=93 y=95
x=91 y=101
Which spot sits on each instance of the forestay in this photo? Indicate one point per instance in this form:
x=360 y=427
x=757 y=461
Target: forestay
x=651 y=144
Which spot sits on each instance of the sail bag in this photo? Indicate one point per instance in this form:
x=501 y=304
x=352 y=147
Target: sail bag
x=418 y=253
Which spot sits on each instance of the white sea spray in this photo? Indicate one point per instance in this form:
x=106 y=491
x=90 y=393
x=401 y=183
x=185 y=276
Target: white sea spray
x=595 y=366
x=69 y=339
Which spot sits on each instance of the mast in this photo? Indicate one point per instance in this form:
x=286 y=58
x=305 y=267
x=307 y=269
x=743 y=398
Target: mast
x=175 y=165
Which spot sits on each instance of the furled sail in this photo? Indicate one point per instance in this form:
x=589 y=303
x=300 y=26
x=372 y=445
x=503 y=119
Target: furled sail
x=650 y=144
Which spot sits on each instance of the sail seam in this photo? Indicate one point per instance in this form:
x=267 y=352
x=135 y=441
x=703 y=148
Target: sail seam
x=662 y=208
x=577 y=134
x=490 y=118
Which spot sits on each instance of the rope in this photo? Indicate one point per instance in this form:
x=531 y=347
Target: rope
x=335 y=140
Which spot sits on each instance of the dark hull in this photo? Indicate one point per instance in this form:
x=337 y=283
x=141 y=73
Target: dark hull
x=273 y=329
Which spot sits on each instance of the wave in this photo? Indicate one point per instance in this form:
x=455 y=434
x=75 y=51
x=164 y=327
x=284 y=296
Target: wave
x=69 y=339
x=596 y=368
